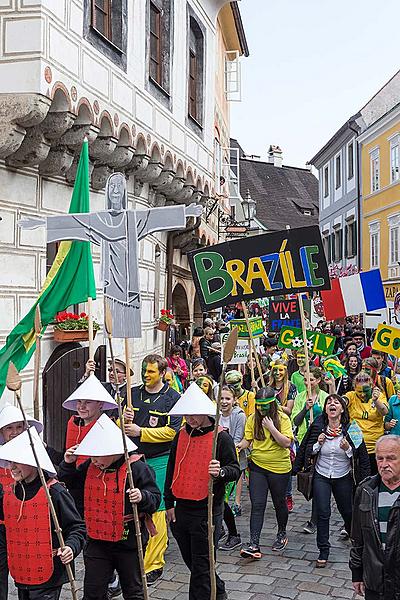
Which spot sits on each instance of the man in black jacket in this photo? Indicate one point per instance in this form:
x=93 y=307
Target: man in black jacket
x=189 y=468
x=375 y=552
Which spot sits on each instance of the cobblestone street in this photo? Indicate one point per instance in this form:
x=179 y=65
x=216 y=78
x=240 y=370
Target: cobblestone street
x=290 y=575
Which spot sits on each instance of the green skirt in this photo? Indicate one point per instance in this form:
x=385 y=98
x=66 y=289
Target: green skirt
x=159 y=464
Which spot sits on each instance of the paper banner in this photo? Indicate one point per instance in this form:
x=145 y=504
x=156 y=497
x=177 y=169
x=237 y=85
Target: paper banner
x=256 y=327
x=355 y=434
x=242 y=350
x=387 y=339
x=318 y=343
x=283 y=313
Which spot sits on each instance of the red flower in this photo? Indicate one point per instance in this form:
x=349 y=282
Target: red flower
x=83 y=315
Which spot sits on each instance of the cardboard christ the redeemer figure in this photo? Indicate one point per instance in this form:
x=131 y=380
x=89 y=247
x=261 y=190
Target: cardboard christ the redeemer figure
x=118 y=231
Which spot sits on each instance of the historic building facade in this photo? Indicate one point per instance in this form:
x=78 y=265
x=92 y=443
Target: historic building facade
x=141 y=80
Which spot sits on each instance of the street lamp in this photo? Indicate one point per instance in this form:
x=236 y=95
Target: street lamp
x=249 y=207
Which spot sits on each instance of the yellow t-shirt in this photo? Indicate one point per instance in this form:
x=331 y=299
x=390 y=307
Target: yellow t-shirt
x=268 y=454
x=247 y=402
x=368 y=418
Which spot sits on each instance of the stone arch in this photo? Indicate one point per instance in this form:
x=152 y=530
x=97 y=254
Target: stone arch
x=84 y=112
x=168 y=161
x=155 y=153
x=61 y=101
x=189 y=177
x=141 y=144
x=106 y=124
x=180 y=309
x=180 y=171
x=124 y=136
x=197 y=312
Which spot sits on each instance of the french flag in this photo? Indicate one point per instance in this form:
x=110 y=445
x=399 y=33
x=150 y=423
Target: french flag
x=353 y=295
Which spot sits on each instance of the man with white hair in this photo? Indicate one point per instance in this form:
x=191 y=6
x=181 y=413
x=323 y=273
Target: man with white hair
x=375 y=552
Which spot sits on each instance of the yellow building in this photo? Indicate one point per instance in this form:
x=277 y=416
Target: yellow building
x=380 y=191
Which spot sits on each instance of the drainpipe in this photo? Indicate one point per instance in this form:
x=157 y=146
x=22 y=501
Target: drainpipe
x=358 y=199
x=170 y=259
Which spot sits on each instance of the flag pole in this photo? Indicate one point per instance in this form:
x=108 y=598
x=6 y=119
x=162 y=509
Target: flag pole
x=90 y=327
x=229 y=350
x=253 y=380
x=307 y=357
x=252 y=344
x=128 y=375
x=37 y=357
x=14 y=384
x=108 y=328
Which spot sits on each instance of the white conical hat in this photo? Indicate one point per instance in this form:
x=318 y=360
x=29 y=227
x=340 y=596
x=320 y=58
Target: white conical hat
x=19 y=450
x=12 y=414
x=103 y=439
x=90 y=389
x=194 y=402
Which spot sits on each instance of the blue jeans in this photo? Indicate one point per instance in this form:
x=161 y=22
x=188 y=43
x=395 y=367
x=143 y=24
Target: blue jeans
x=342 y=490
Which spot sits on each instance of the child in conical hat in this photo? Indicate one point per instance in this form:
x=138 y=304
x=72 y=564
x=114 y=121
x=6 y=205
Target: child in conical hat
x=11 y=425
x=189 y=469
x=36 y=562
x=103 y=478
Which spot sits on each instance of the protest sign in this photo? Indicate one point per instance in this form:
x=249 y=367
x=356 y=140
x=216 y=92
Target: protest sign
x=283 y=313
x=242 y=350
x=272 y=264
x=256 y=326
x=387 y=339
x=317 y=343
x=355 y=434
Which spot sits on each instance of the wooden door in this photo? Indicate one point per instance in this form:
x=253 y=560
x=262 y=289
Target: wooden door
x=61 y=374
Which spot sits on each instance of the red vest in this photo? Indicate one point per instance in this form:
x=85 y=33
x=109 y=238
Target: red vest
x=105 y=502
x=29 y=546
x=5 y=477
x=75 y=434
x=193 y=455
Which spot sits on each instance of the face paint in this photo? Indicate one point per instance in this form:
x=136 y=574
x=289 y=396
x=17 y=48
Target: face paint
x=364 y=390
x=168 y=378
x=301 y=360
x=203 y=384
x=264 y=409
x=150 y=374
x=279 y=372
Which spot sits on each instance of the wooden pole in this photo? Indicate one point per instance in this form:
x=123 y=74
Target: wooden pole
x=37 y=357
x=252 y=344
x=108 y=328
x=128 y=375
x=253 y=381
x=90 y=328
x=229 y=350
x=307 y=357
x=14 y=384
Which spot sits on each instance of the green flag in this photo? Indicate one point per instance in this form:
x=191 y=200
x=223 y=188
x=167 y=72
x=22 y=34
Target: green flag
x=69 y=281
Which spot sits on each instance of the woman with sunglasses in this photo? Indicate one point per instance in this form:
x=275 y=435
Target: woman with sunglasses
x=339 y=467
x=269 y=432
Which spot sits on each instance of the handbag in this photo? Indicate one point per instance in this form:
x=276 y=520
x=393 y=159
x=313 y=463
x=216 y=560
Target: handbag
x=305 y=481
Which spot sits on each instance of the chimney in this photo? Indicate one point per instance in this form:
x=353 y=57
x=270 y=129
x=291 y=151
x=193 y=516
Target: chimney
x=275 y=156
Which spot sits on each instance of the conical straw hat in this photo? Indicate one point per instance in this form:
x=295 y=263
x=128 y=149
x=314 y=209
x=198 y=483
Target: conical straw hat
x=194 y=402
x=12 y=414
x=19 y=450
x=103 y=439
x=90 y=389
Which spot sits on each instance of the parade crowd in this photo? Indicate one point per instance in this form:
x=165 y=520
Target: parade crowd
x=331 y=428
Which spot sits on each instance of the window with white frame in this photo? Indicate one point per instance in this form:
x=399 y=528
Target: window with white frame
x=338 y=171
x=374 y=241
x=394 y=159
x=338 y=244
x=350 y=240
x=350 y=160
x=326 y=245
x=394 y=237
x=375 y=170
x=326 y=181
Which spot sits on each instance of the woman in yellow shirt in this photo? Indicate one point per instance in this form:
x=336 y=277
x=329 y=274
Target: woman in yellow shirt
x=368 y=406
x=269 y=433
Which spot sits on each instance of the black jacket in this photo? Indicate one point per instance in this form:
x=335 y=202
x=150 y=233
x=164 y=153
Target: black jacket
x=379 y=569
x=226 y=454
x=73 y=528
x=144 y=480
x=359 y=462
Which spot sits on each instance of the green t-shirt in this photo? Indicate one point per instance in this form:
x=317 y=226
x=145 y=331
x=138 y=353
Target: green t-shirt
x=298 y=380
x=385 y=502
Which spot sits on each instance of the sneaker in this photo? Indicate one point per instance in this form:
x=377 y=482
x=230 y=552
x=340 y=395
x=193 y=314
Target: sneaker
x=289 y=503
x=250 y=551
x=309 y=527
x=154 y=576
x=237 y=510
x=231 y=542
x=281 y=542
x=222 y=534
x=343 y=533
x=114 y=588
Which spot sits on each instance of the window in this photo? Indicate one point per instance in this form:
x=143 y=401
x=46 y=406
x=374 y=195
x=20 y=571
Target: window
x=374 y=241
x=394 y=160
x=105 y=27
x=394 y=245
x=326 y=244
x=350 y=240
x=350 y=160
x=155 y=44
x=337 y=249
x=326 y=181
x=195 y=73
x=375 y=170
x=338 y=172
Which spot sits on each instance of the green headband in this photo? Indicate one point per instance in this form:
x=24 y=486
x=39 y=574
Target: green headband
x=265 y=401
